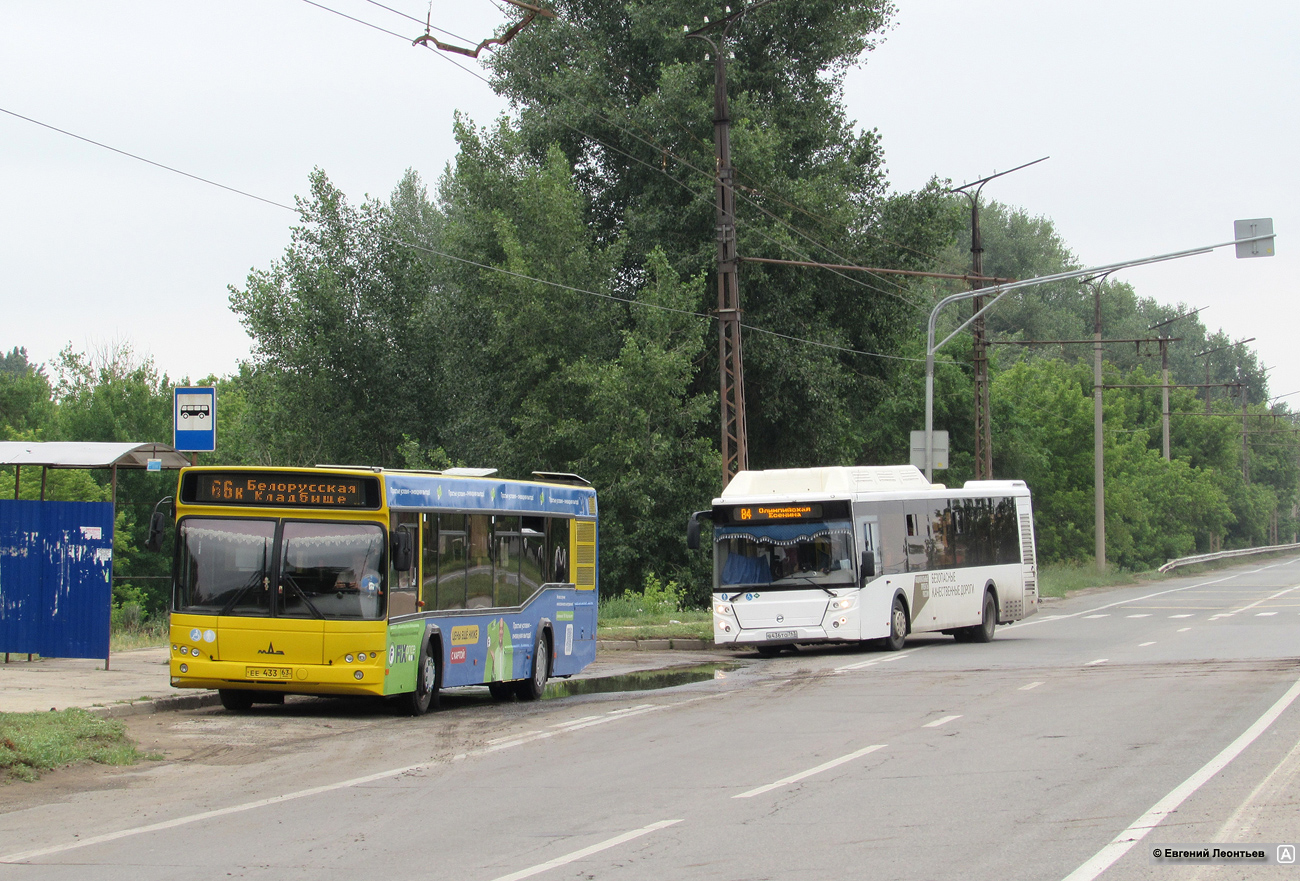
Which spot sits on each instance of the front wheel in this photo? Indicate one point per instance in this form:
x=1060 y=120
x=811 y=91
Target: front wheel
x=531 y=689
x=235 y=699
x=428 y=678
x=897 y=626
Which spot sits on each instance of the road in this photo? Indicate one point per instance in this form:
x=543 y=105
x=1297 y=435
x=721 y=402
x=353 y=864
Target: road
x=1069 y=747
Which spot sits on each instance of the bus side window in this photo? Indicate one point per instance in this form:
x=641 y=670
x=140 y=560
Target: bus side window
x=871 y=563
x=452 y=557
x=428 y=597
x=559 y=549
x=479 y=584
x=532 y=562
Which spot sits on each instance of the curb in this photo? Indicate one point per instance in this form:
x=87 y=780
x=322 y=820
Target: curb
x=159 y=705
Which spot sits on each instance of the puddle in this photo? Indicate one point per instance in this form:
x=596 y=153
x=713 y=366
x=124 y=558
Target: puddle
x=644 y=680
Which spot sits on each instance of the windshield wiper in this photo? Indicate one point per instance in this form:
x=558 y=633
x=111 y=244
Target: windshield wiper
x=302 y=595
x=239 y=594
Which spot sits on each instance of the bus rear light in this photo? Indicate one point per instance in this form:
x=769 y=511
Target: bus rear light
x=358 y=674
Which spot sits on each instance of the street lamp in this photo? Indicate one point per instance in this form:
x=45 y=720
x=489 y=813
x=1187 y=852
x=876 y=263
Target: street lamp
x=1254 y=238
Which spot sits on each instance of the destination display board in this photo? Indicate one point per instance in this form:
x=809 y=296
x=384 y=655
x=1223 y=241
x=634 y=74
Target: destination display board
x=782 y=512
x=286 y=489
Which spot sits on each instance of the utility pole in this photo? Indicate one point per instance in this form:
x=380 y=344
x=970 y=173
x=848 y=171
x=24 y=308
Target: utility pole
x=1098 y=446
x=1164 y=374
x=979 y=353
x=735 y=440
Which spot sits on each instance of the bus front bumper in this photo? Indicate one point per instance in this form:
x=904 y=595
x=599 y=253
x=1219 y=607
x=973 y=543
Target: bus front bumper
x=338 y=679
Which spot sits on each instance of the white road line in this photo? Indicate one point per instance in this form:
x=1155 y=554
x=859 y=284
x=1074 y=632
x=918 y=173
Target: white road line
x=871 y=662
x=1096 y=662
x=937 y=722
x=1029 y=686
x=1264 y=614
x=1183 y=629
x=1121 y=844
x=1247 y=608
x=1141 y=615
x=1102 y=615
x=1145 y=644
x=613 y=716
x=795 y=778
x=1036 y=620
x=588 y=851
x=1180 y=616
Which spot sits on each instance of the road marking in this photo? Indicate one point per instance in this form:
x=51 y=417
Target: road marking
x=1145 y=644
x=937 y=722
x=1264 y=614
x=1138 y=830
x=1183 y=629
x=1029 y=686
x=871 y=662
x=25 y=856
x=1247 y=608
x=588 y=851
x=1141 y=615
x=795 y=778
x=1180 y=616
x=1102 y=615
x=1098 y=661
x=1036 y=620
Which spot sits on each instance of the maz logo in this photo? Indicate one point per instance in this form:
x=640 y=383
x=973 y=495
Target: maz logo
x=269 y=650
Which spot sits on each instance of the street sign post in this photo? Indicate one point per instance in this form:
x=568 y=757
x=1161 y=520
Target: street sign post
x=194 y=419
x=940 y=451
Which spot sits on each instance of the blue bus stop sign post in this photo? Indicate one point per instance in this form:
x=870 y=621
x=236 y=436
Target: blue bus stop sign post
x=194 y=419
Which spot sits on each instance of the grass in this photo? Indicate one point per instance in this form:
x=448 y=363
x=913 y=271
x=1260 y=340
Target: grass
x=631 y=617
x=146 y=635
x=32 y=743
x=1059 y=579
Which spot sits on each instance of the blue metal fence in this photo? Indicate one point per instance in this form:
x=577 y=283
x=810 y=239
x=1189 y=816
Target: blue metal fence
x=56 y=566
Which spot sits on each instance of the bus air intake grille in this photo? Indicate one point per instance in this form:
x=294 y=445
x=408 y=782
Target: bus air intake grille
x=584 y=532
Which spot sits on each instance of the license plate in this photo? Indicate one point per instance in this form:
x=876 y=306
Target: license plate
x=269 y=672
x=780 y=634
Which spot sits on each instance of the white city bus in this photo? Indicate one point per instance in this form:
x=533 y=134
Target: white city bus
x=807 y=555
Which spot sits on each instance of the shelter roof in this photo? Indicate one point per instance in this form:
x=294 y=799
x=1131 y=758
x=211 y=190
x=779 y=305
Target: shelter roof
x=60 y=454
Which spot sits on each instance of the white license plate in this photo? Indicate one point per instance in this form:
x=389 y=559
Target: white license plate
x=780 y=634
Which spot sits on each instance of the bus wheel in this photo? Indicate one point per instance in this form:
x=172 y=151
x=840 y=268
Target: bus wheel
x=235 y=699
x=502 y=691
x=984 y=632
x=897 y=626
x=427 y=680
x=531 y=689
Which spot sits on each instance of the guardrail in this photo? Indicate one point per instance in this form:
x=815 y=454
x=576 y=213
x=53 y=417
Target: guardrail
x=1223 y=555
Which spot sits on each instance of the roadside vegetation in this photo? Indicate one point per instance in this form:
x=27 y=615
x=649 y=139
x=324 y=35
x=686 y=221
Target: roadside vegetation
x=33 y=743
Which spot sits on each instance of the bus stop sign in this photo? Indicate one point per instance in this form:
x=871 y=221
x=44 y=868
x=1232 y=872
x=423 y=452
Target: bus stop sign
x=194 y=419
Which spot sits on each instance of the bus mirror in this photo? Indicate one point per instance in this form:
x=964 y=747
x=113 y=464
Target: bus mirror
x=693 y=529
x=403 y=550
x=157 y=525
x=868 y=567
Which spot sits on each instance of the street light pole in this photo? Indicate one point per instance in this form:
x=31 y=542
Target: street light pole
x=1002 y=290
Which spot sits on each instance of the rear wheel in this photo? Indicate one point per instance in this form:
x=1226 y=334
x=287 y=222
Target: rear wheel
x=428 y=678
x=984 y=632
x=236 y=700
x=897 y=626
x=532 y=688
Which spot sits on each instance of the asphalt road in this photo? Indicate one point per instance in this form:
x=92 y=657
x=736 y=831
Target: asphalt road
x=1069 y=747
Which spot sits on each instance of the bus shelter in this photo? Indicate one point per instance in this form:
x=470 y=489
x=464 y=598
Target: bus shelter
x=56 y=558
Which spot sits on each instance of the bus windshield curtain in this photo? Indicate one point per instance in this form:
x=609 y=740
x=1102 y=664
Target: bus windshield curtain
x=784 y=534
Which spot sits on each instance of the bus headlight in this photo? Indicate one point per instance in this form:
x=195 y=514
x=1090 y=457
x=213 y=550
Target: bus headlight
x=846 y=603
x=185 y=668
x=722 y=608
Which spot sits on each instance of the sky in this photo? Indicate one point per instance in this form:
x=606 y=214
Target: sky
x=1165 y=121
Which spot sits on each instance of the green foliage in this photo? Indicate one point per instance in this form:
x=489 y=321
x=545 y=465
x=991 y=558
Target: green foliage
x=660 y=597
x=31 y=743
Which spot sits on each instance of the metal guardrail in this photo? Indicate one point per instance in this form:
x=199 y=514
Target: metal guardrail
x=1223 y=555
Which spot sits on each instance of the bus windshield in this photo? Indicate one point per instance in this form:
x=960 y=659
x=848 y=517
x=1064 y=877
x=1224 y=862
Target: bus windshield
x=785 y=556
x=326 y=570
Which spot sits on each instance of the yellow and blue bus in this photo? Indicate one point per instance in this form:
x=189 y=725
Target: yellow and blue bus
x=365 y=581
